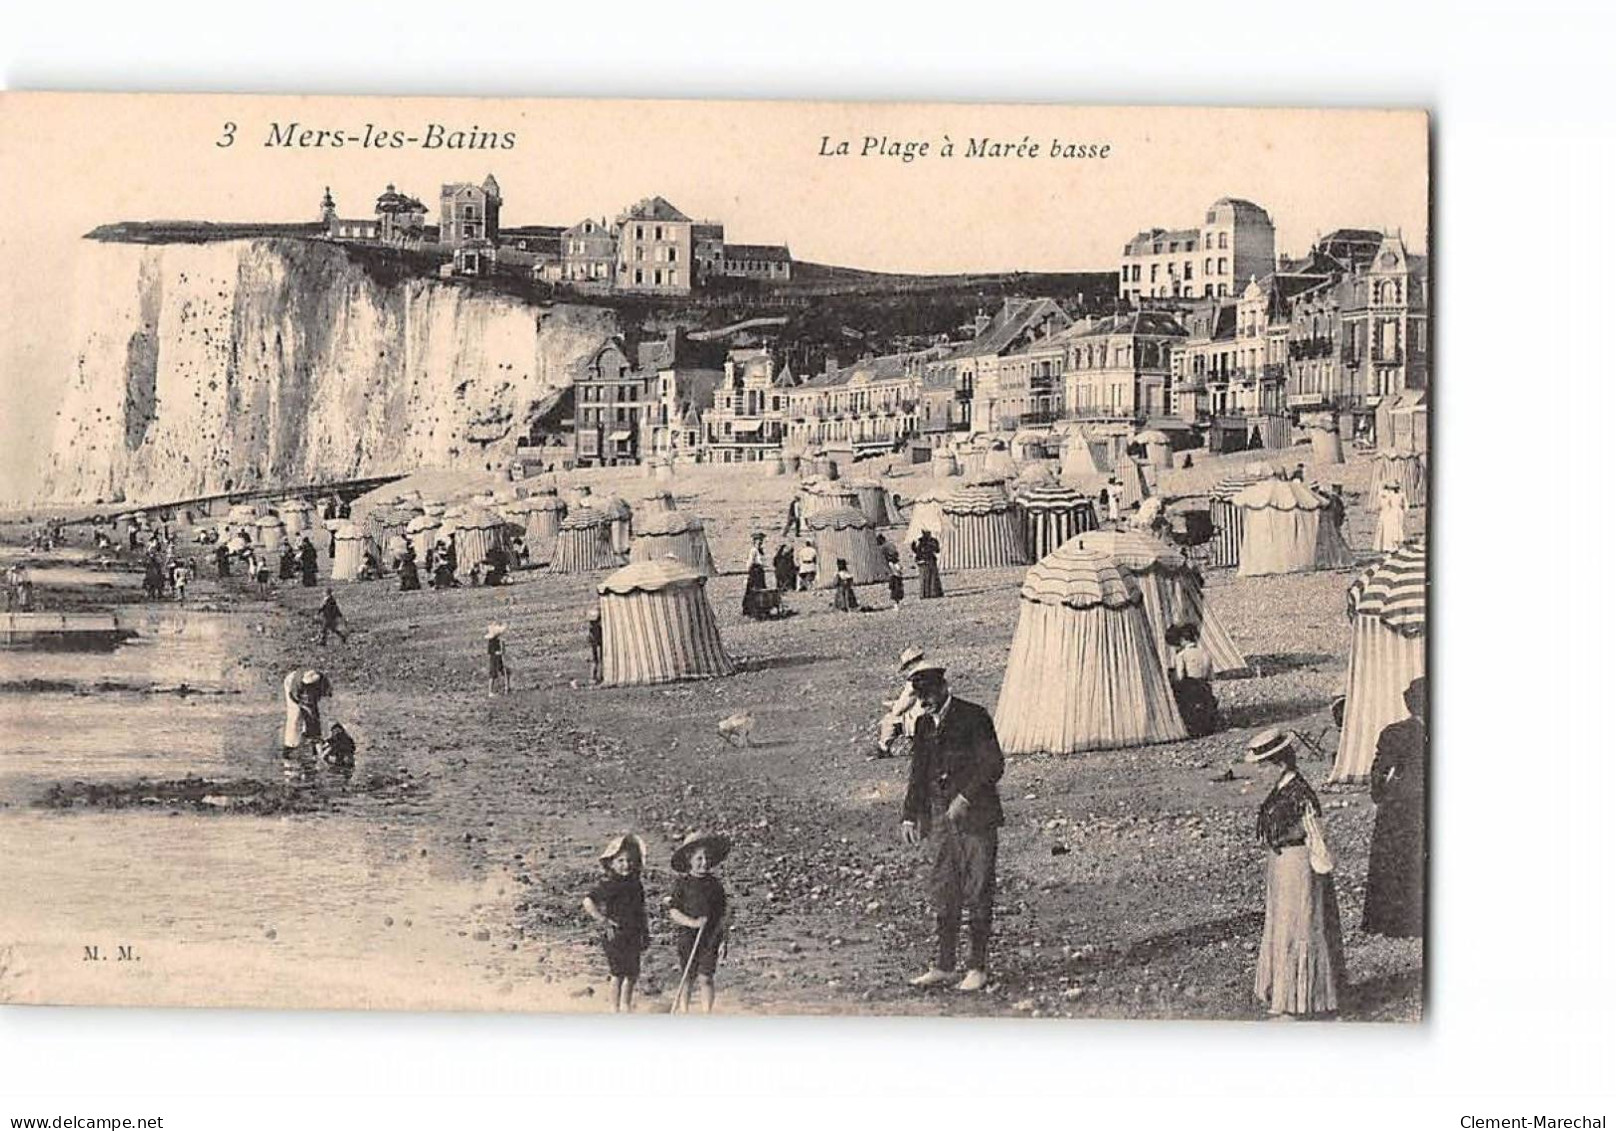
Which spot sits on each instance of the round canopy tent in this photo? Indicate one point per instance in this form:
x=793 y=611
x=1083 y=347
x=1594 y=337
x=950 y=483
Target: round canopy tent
x=619 y=518
x=980 y=530
x=393 y=552
x=541 y=522
x=271 y=534
x=477 y=531
x=669 y=534
x=1287 y=530
x=846 y=534
x=422 y=532
x=1406 y=469
x=1171 y=592
x=584 y=543
x=350 y=556
x=658 y=627
x=871 y=498
x=818 y=495
x=296 y=516
x=927 y=514
x=944 y=463
x=1158 y=447
x=1386 y=605
x=1052 y=515
x=1079 y=463
x=1029 y=445
x=1228 y=521
x=1083 y=672
x=434 y=509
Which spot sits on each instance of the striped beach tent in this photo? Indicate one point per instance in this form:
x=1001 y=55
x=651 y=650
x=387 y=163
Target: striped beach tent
x=584 y=543
x=477 y=530
x=1228 y=522
x=621 y=517
x=296 y=515
x=658 y=627
x=1386 y=605
x=927 y=514
x=270 y=533
x=541 y=522
x=421 y=533
x=1287 y=530
x=980 y=529
x=350 y=556
x=846 y=534
x=669 y=534
x=1051 y=516
x=1171 y=591
x=1158 y=448
x=1083 y=672
x=1135 y=487
x=1406 y=469
x=871 y=498
x=818 y=494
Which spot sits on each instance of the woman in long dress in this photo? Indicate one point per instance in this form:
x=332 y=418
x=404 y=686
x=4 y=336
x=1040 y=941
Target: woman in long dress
x=1394 y=895
x=1301 y=965
x=757 y=580
x=926 y=548
x=303 y=693
x=846 y=599
x=1392 y=528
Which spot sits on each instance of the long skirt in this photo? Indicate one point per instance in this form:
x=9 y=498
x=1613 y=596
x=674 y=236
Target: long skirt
x=756 y=582
x=1394 y=895
x=1301 y=965
x=1198 y=706
x=931 y=580
x=846 y=599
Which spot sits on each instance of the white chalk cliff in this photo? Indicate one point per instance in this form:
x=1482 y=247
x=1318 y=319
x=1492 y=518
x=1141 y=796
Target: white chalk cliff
x=200 y=368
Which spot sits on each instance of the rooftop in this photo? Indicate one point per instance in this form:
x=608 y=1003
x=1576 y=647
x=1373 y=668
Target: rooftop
x=654 y=208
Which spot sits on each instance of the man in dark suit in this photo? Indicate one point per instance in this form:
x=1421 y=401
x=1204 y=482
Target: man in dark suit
x=953 y=798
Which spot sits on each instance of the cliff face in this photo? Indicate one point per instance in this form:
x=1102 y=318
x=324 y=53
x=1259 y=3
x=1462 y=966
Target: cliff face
x=209 y=367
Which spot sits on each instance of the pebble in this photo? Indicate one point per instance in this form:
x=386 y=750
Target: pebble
x=270 y=934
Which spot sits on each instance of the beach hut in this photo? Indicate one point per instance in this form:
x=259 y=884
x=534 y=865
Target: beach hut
x=1324 y=438
x=671 y=534
x=927 y=514
x=1080 y=461
x=656 y=503
x=1386 y=605
x=477 y=530
x=296 y=516
x=1051 y=515
x=980 y=529
x=657 y=626
x=871 y=498
x=584 y=543
x=350 y=556
x=620 y=519
x=845 y=533
x=944 y=463
x=1172 y=593
x=819 y=495
x=1287 y=530
x=1228 y=525
x=541 y=522
x=1083 y=672
x=1135 y=488
x=271 y=534
x=1157 y=447
x=1406 y=469
x=774 y=466
x=1040 y=474
x=422 y=532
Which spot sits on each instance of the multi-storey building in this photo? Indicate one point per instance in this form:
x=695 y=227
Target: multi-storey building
x=1119 y=368
x=748 y=419
x=1234 y=244
x=707 y=246
x=870 y=405
x=399 y=220
x=680 y=376
x=468 y=214
x=588 y=254
x=609 y=408
x=655 y=251
x=973 y=369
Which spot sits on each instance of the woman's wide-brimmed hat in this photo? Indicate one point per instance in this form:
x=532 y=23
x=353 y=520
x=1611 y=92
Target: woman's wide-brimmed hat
x=493 y=630
x=1270 y=744
x=913 y=662
x=716 y=844
x=617 y=844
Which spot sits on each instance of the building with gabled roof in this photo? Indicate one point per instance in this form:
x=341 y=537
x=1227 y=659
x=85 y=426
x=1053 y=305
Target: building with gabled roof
x=972 y=368
x=872 y=404
x=1119 y=368
x=770 y=263
x=609 y=407
x=1235 y=242
x=468 y=214
x=655 y=249
x=748 y=419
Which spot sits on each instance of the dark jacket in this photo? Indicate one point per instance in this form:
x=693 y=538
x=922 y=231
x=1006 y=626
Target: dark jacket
x=960 y=757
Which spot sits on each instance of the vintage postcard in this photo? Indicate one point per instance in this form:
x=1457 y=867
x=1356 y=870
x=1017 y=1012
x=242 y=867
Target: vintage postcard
x=684 y=557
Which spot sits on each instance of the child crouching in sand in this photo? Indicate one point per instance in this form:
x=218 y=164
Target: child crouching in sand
x=618 y=904
x=701 y=912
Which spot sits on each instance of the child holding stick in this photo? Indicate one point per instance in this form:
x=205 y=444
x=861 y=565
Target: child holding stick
x=701 y=912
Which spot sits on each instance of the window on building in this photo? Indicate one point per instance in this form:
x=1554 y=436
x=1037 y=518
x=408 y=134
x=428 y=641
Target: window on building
x=673 y=278
x=1153 y=269
x=658 y=234
x=673 y=255
x=656 y=276
x=1223 y=268
x=1223 y=290
x=639 y=275
x=639 y=231
x=1189 y=270
x=1223 y=241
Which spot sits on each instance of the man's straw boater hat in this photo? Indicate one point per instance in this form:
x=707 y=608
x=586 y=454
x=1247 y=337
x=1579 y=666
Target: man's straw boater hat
x=717 y=845
x=494 y=630
x=634 y=845
x=913 y=662
x=1270 y=744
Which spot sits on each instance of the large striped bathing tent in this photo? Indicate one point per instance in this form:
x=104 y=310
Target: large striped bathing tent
x=296 y=515
x=421 y=533
x=1052 y=516
x=350 y=556
x=621 y=517
x=846 y=534
x=477 y=531
x=584 y=543
x=1386 y=605
x=1135 y=487
x=1171 y=592
x=981 y=530
x=926 y=514
x=270 y=533
x=1406 y=469
x=668 y=534
x=1287 y=530
x=657 y=626
x=871 y=498
x=1228 y=523
x=541 y=522
x=1083 y=672
x=818 y=494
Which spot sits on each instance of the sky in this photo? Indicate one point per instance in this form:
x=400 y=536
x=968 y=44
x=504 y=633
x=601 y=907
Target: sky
x=756 y=166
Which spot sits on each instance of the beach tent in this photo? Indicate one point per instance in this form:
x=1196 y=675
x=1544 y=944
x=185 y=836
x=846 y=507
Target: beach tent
x=1324 y=438
x=1038 y=474
x=927 y=514
x=271 y=534
x=584 y=543
x=944 y=463
x=296 y=516
x=669 y=534
x=1172 y=593
x=775 y=466
x=617 y=513
x=1083 y=672
x=1287 y=530
x=1135 y=488
x=477 y=531
x=1228 y=523
x=422 y=532
x=350 y=558
x=1386 y=605
x=980 y=529
x=1052 y=515
x=871 y=498
x=845 y=533
x=1029 y=445
x=654 y=503
x=657 y=626
x=1079 y=461
x=541 y=522
x=393 y=552
x=1406 y=469
x=434 y=509
x=242 y=514
x=818 y=494
x=1158 y=448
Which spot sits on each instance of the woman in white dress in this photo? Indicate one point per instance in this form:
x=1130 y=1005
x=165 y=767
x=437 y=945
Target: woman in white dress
x=1392 y=529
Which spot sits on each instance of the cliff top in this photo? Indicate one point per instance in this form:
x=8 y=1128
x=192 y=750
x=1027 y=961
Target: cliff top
x=194 y=231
